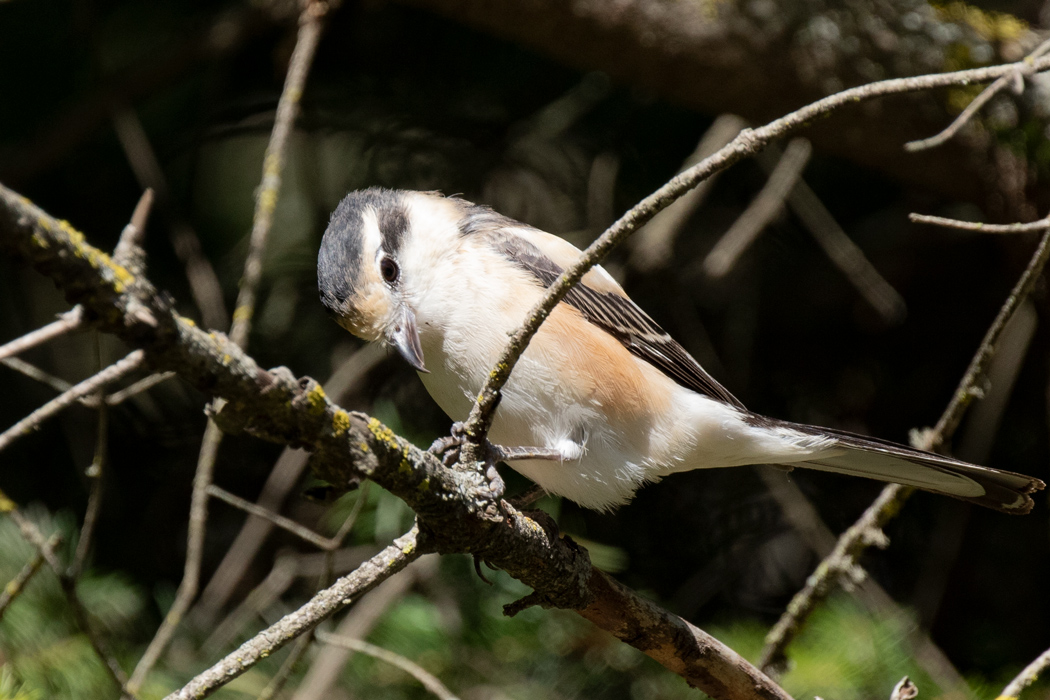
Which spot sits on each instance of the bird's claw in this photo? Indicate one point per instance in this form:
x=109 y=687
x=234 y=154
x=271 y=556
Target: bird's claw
x=448 y=448
x=495 y=487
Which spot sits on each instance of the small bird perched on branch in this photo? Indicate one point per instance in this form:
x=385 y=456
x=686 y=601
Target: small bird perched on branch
x=603 y=400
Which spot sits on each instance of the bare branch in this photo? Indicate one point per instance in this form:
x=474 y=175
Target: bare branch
x=33 y=372
x=69 y=321
x=1027 y=677
x=119 y=397
x=762 y=210
x=18 y=584
x=310 y=26
x=328 y=664
x=868 y=528
x=33 y=535
x=204 y=283
x=311 y=23
x=283 y=477
x=655 y=241
x=280 y=521
x=429 y=681
x=94 y=474
x=1024 y=70
x=390 y=561
x=89 y=386
x=840 y=248
x=1040 y=225
x=803 y=517
x=747 y=143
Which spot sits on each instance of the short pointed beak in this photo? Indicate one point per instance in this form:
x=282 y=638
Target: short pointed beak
x=405 y=337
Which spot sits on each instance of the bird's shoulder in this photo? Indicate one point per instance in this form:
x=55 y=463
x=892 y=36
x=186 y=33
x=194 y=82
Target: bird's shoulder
x=598 y=298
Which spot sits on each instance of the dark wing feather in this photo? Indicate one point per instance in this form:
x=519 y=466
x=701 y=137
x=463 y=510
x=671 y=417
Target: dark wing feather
x=621 y=318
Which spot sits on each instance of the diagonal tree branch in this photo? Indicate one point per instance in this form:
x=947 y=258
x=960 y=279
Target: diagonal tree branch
x=310 y=27
x=747 y=143
x=867 y=531
x=454 y=515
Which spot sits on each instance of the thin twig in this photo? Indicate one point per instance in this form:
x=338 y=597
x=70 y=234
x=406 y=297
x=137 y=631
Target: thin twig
x=284 y=572
x=1026 y=677
x=204 y=283
x=94 y=474
x=280 y=521
x=303 y=643
x=806 y=521
x=69 y=321
x=282 y=575
x=1040 y=225
x=760 y=213
x=18 y=584
x=327 y=665
x=144 y=384
x=1024 y=70
x=33 y=372
x=429 y=681
x=89 y=386
x=839 y=247
x=283 y=477
x=310 y=26
x=654 y=245
x=747 y=143
x=68 y=584
x=322 y=606
x=868 y=528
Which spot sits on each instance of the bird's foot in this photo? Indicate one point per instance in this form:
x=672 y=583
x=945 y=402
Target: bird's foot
x=494 y=488
x=450 y=446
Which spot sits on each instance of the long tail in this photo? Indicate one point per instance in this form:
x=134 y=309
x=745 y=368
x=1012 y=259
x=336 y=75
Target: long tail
x=887 y=461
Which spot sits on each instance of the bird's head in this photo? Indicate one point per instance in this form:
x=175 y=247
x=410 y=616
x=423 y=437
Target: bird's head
x=376 y=259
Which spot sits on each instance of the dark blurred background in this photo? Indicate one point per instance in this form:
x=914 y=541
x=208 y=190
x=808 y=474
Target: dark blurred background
x=101 y=97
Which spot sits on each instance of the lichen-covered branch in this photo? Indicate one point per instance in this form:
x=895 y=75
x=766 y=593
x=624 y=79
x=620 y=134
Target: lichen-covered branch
x=348 y=447
x=1026 y=677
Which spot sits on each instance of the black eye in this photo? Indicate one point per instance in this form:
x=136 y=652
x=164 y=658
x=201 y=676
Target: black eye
x=389 y=269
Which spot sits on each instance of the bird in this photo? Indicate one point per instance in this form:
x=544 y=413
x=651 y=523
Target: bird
x=603 y=400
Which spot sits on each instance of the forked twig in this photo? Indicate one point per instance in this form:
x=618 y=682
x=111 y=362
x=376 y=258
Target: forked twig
x=69 y=321
x=89 y=386
x=1023 y=70
x=763 y=209
x=745 y=144
x=310 y=26
x=429 y=681
x=868 y=528
x=15 y=586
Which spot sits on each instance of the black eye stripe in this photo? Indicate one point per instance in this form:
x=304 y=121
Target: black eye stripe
x=393 y=224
